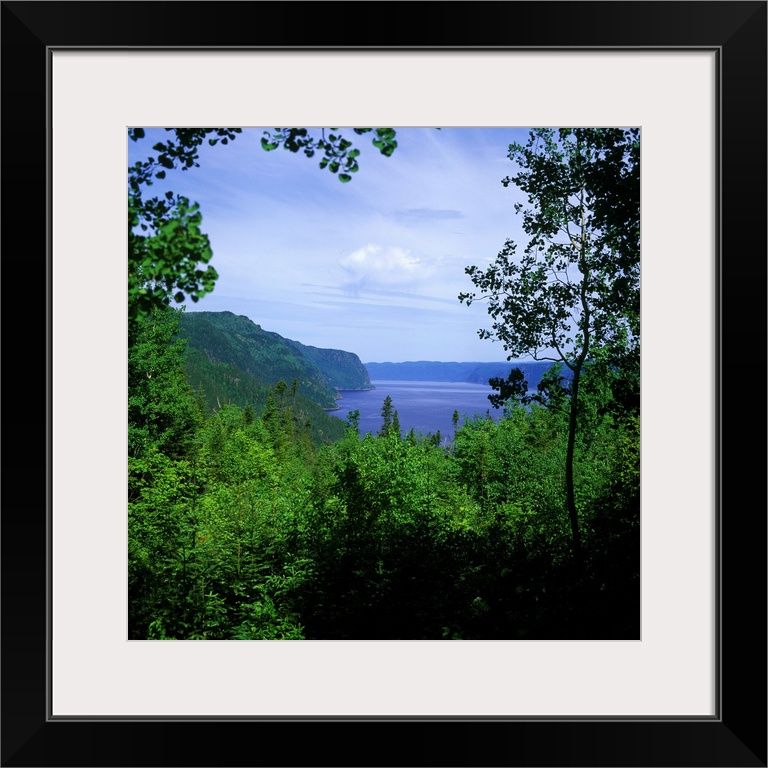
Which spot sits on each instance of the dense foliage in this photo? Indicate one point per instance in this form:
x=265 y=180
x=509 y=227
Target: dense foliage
x=244 y=525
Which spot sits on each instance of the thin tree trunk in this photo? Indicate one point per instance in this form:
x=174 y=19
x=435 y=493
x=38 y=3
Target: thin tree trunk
x=569 y=484
x=574 y=409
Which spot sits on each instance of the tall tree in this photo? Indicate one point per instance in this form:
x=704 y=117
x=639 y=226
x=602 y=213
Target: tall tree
x=387 y=417
x=163 y=418
x=574 y=293
x=163 y=412
x=396 y=429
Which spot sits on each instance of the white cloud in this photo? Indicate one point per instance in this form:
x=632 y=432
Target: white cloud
x=374 y=266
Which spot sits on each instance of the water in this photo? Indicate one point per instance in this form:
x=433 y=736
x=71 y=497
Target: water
x=425 y=406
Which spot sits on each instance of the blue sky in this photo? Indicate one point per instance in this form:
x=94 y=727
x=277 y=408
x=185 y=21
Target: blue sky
x=374 y=266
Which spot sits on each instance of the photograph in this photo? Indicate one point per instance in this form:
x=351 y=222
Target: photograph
x=384 y=383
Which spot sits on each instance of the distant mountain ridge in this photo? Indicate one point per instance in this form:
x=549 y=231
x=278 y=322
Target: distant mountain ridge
x=236 y=341
x=470 y=373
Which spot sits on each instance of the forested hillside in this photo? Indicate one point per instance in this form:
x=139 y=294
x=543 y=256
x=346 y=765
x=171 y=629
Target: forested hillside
x=219 y=384
x=235 y=340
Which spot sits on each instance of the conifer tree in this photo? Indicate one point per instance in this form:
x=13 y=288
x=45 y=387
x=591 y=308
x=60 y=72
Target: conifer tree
x=386 y=415
x=395 y=424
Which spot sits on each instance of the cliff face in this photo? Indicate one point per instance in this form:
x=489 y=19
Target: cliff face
x=342 y=370
x=226 y=338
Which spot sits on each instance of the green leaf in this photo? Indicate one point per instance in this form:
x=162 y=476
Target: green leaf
x=345 y=177
x=170 y=227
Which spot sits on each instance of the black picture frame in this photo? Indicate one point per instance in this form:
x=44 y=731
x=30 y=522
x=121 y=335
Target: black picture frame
x=736 y=736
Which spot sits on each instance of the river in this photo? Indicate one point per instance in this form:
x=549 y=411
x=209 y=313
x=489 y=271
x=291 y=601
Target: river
x=425 y=406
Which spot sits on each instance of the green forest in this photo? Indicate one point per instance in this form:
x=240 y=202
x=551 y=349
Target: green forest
x=254 y=515
x=244 y=525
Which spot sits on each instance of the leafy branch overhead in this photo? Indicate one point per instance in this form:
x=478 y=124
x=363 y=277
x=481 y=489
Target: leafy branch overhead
x=168 y=253
x=338 y=153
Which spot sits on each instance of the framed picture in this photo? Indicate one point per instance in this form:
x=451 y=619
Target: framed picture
x=692 y=77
